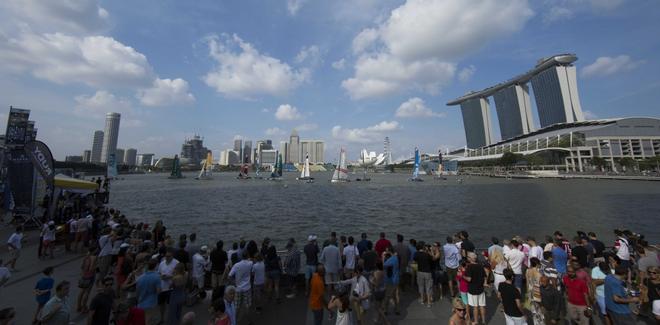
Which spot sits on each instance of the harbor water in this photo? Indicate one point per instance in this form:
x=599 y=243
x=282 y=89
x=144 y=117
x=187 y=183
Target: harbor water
x=227 y=208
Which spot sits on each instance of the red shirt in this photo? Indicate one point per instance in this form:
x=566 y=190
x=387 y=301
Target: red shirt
x=135 y=317
x=381 y=245
x=577 y=290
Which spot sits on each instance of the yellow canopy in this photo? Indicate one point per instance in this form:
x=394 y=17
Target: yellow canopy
x=73 y=184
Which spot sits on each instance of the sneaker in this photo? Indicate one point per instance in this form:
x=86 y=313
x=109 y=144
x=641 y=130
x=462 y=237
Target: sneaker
x=291 y=295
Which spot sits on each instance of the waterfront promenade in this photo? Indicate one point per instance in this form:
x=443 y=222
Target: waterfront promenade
x=17 y=293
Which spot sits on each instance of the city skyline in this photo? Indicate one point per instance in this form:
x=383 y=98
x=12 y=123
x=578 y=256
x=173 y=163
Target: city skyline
x=349 y=73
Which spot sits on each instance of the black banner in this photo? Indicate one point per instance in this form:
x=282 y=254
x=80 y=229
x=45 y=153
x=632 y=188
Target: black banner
x=20 y=176
x=42 y=159
x=17 y=125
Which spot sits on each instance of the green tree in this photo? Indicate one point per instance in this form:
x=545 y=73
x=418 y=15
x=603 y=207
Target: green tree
x=509 y=159
x=626 y=162
x=534 y=160
x=599 y=162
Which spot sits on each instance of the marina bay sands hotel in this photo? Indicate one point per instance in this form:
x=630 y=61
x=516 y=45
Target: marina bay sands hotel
x=555 y=92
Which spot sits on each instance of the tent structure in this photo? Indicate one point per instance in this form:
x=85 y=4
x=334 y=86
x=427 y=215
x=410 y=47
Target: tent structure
x=75 y=185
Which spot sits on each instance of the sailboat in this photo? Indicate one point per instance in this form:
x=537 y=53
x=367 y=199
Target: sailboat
x=257 y=166
x=243 y=173
x=176 y=169
x=415 y=176
x=276 y=174
x=304 y=175
x=341 y=173
x=364 y=177
x=207 y=165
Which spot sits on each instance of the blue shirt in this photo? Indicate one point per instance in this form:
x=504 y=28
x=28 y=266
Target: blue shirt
x=392 y=278
x=147 y=287
x=560 y=258
x=452 y=256
x=364 y=245
x=614 y=286
x=44 y=284
x=230 y=310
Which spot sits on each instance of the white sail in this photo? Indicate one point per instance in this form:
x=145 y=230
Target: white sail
x=341 y=173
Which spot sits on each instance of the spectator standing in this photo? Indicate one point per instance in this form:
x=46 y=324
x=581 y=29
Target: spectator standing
x=364 y=244
x=292 y=266
x=316 y=294
x=475 y=275
x=551 y=300
x=381 y=245
x=57 y=311
x=577 y=292
x=511 y=300
x=42 y=290
x=311 y=260
x=218 y=264
x=452 y=258
x=148 y=288
x=241 y=272
x=617 y=299
x=515 y=257
x=351 y=255
x=14 y=245
x=332 y=262
x=102 y=304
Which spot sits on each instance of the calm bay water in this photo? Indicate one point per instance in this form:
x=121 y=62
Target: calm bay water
x=227 y=208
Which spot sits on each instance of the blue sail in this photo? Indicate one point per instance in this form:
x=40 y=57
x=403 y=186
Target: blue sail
x=416 y=168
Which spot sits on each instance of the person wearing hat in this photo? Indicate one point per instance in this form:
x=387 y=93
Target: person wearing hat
x=200 y=265
x=311 y=251
x=459 y=313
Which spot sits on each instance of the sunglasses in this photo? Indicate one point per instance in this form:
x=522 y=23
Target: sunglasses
x=460 y=309
x=650 y=272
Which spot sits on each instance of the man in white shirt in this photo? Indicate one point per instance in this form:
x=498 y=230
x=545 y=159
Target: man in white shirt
x=516 y=258
x=242 y=272
x=534 y=250
x=105 y=257
x=201 y=264
x=14 y=245
x=350 y=254
x=166 y=270
x=452 y=260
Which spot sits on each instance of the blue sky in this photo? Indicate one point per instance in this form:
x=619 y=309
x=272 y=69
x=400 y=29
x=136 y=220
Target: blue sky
x=347 y=72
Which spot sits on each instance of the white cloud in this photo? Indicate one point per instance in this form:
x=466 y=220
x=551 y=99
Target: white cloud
x=340 y=64
x=307 y=127
x=96 y=61
x=605 y=66
x=589 y=115
x=100 y=103
x=557 y=13
x=293 y=6
x=274 y=131
x=287 y=112
x=78 y=17
x=417 y=46
x=311 y=55
x=247 y=72
x=415 y=107
x=371 y=134
x=466 y=73
x=166 y=92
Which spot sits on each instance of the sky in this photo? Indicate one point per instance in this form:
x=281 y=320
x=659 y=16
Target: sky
x=346 y=72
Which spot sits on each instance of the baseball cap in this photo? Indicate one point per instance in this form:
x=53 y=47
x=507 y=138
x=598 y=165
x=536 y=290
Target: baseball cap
x=311 y=237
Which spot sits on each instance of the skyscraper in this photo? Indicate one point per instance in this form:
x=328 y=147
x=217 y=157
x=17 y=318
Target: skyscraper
x=556 y=95
x=87 y=156
x=476 y=121
x=387 y=152
x=248 y=155
x=284 y=151
x=238 y=147
x=110 y=135
x=514 y=111
x=130 y=157
x=294 y=148
x=97 y=145
x=119 y=156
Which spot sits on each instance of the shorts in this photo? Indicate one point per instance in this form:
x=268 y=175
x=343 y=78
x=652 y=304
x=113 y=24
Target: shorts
x=164 y=297
x=274 y=275
x=309 y=271
x=601 y=304
x=424 y=283
x=331 y=277
x=477 y=300
x=656 y=308
x=464 y=298
x=515 y=320
x=243 y=298
x=451 y=273
x=104 y=265
x=200 y=282
x=14 y=254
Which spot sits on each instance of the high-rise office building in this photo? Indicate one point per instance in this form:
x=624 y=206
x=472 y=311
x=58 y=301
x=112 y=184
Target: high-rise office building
x=268 y=157
x=87 y=156
x=193 y=151
x=294 y=148
x=97 y=147
x=556 y=95
x=313 y=148
x=110 y=135
x=130 y=157
x=514 y=111
x=238 y=147
x=145 y=159
x=476 y=121
x=119 y=156
x=248 y=155
x=284 y=151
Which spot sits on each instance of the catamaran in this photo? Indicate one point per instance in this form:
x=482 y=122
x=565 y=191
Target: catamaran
x=243 y=174
x=364 y=176
x=176 y=169
x=341 y=173
x=415 y=176
x=276 y=174
x=207 y=165
x=304 y=175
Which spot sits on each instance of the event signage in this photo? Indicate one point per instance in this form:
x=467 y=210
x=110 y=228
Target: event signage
x=20 y=175
x=17 y=125
x=42 y=159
